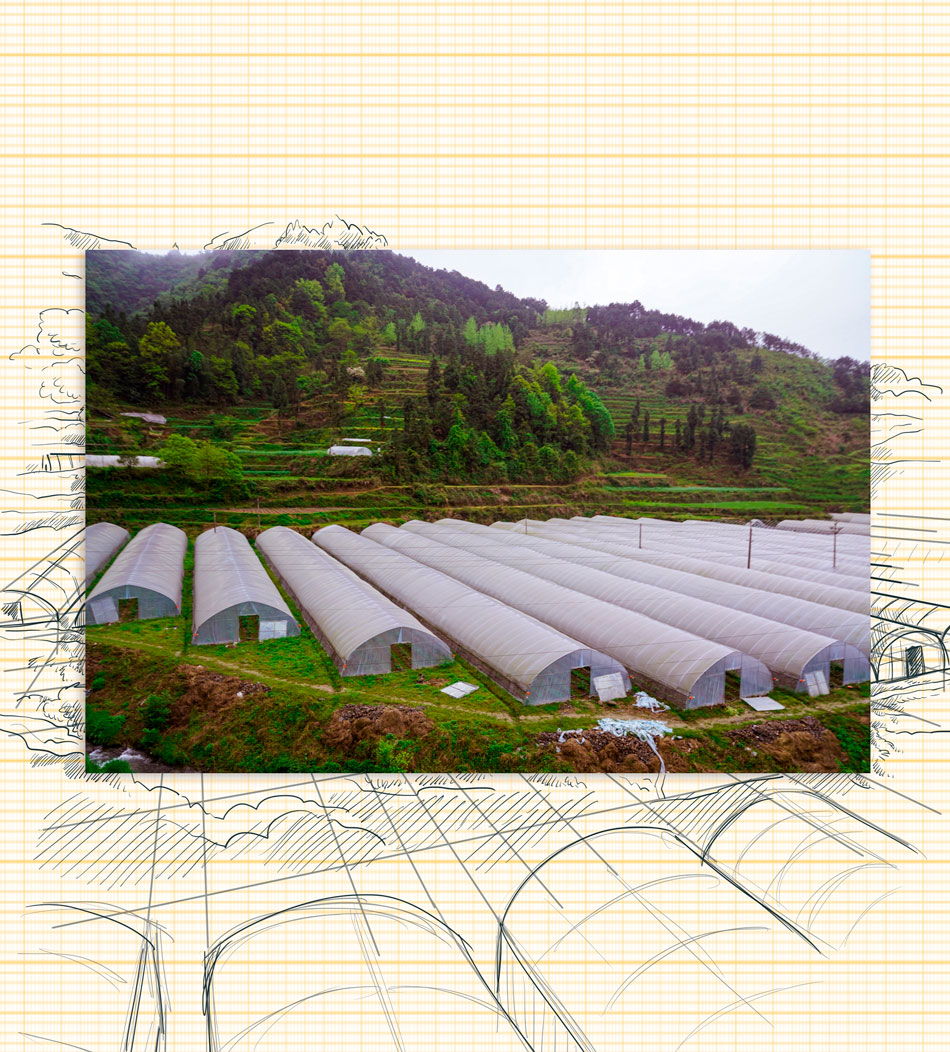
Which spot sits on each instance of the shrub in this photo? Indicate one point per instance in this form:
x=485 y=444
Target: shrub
x=101 y=727
x=156 y=712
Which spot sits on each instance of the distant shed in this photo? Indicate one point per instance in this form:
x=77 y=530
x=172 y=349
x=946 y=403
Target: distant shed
x=349 y=451
x=110 y=460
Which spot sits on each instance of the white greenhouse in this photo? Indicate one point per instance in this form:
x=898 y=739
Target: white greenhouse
x=850 y=629
x=529 y=659
x=813 y=591
x=357 y=625
x=788 y=652
x=350 y=451
x=147 y=574
x=234 y=597
x=679 y=666
x=102 y=540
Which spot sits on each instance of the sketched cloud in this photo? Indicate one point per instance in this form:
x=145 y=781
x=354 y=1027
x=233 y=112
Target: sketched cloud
x=57 y=355
x=894 y=381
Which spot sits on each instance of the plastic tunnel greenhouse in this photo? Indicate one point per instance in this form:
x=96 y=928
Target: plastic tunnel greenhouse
x=777 y=551
x=147 y=572
x=102 y=540
x=357 y=624
x=678 y=666
x=820 y=588
x=773 y=550
x=850 y=628
x=231 y=585
x=530 y=660
x=813 y=591
x=789 y=653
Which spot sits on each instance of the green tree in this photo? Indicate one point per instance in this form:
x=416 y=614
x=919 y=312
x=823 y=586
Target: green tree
x=761 y=398
x=212 y=463
x=280 y=395
x=178 y=453
x=157 y=349
x=335 y=275
x=742 y=444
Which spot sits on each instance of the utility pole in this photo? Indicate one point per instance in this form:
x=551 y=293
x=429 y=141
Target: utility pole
x=835 y=530
x=748 y=562
x=215 y=514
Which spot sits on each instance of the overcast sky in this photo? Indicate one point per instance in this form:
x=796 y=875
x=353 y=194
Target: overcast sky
x=819 y=299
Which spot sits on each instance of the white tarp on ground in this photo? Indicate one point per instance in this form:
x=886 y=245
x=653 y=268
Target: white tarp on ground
x=763 y=704
x=149 y=418
x=462 y=689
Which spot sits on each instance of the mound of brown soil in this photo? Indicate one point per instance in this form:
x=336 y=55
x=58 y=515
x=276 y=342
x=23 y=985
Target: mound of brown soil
x=603 y=752
x=797 y=745
x=352 y=724
x=210 y=691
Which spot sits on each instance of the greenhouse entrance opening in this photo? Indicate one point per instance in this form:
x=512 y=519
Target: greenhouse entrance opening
x=914 y=662
x=580 y=683
x=733 y=691
x=249 y=628
x=400 y=657
x=835 y=675
x=128 y=609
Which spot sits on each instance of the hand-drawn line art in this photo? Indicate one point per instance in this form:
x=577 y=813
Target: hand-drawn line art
x=235 y=242
x=82 y=239
x=784 y=861
x=123 y=980
x=909 y=646
x=391 y=959
x=784 y=854
x=337 y=233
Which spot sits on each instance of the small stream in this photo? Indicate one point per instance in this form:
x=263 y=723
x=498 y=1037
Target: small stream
x=138 y=761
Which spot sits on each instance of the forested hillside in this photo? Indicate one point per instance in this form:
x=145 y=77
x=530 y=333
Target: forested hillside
x=262 y=360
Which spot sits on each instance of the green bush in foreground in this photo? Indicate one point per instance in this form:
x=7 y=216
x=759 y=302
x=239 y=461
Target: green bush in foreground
x=101 y=728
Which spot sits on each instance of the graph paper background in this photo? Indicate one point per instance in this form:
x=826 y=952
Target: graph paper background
x=438 y=125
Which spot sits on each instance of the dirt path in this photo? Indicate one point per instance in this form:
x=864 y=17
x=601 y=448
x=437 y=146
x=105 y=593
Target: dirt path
x=212 y=662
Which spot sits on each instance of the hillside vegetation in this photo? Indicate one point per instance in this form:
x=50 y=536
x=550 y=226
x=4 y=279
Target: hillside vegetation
x=477 y=402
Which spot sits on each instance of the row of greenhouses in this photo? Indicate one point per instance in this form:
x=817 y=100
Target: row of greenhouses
x=669 y=608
